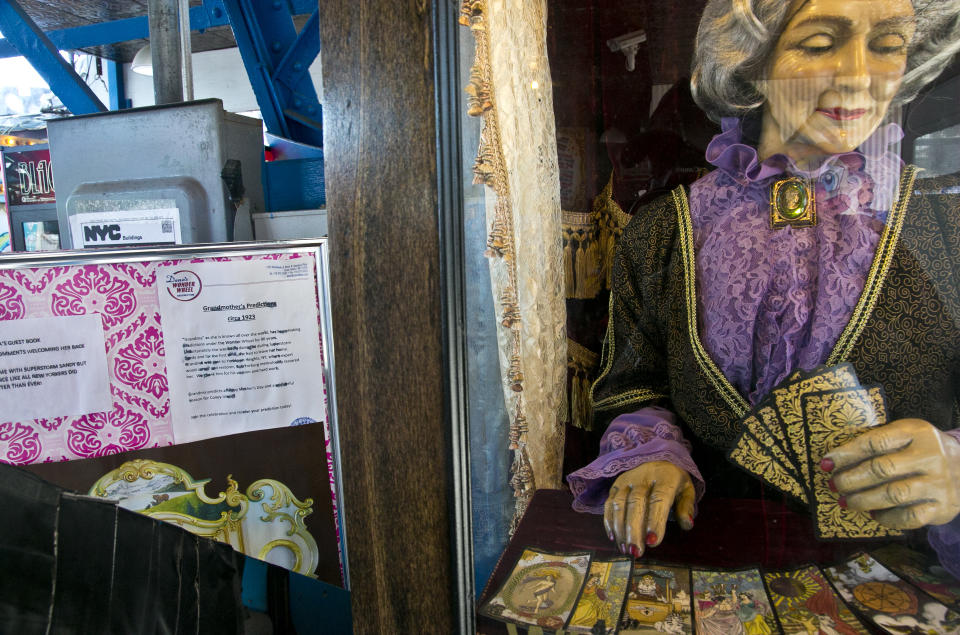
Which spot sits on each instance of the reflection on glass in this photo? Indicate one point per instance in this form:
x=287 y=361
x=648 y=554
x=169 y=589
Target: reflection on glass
x=41 y=236
x=762 y=260
x=761 y=240
x=937 y=152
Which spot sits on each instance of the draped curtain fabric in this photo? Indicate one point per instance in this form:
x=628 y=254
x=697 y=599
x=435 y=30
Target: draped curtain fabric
x=510 y=88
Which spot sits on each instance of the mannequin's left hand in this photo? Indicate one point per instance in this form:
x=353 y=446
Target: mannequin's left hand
x=906 y=473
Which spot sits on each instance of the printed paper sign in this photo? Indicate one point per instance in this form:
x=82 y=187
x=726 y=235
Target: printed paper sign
x=242 y=344
x=53 y=367
x=135 y=227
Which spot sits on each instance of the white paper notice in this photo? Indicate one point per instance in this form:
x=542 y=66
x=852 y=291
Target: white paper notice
x=242 y=344
x=53 y=367
x=134 y=227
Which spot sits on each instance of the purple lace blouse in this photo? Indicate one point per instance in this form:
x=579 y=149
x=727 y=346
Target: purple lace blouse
x=770 y=301
x=773 y=300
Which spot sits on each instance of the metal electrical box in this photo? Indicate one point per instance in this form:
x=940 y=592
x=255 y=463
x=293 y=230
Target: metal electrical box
x=173 y=174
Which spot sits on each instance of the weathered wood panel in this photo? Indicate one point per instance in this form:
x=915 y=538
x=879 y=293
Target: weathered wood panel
x=381 y=180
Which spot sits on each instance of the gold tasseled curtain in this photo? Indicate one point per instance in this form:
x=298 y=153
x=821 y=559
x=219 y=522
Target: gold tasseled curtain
x=510 y=88
x=589 y=240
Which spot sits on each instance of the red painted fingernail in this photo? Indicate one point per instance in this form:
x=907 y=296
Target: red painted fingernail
x=827 y=464
x=832 y=485
x=842 y=502
x=635 y=551
x=651 y=538
x=690 y=519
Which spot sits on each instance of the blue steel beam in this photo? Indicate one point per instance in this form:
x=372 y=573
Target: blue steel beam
x=292 y=73
x=257 y=62
x=115 y=85
x=210 y=14
x=292 y=79
x=276 y=59
x=44 y=56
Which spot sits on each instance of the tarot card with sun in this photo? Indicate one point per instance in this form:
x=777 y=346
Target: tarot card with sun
x=806 y=603
x=894 y=605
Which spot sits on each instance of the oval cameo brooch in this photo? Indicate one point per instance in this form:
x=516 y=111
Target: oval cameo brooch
x=792 y=203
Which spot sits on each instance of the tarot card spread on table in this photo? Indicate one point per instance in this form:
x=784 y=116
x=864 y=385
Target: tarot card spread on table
x=658 y=601
x=806 y=603
x=784 y=438
x=731 y=602
x=541 y=590
x=922 y=570
x=889 y=602
x=602 y=597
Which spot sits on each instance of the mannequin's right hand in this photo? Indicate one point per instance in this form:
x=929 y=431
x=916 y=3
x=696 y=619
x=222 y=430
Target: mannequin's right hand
x=635 y=514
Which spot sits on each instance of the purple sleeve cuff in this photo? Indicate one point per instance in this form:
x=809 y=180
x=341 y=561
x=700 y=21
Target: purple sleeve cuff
x=633 y=439
x=945 y=539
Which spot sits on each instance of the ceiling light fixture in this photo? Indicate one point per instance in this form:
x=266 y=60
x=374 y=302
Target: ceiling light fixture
x=142 y=63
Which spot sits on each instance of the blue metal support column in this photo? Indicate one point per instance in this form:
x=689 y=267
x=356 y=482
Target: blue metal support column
x=115 y=85
x=21 y=31
x=277 y=60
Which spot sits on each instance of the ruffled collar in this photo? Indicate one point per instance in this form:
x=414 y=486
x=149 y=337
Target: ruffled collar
x=740 y=161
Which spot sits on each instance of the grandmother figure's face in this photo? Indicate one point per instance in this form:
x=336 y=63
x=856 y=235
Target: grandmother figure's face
x=833 y=73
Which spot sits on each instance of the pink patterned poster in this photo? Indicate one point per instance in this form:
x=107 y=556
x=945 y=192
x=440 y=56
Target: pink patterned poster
x=124 y=294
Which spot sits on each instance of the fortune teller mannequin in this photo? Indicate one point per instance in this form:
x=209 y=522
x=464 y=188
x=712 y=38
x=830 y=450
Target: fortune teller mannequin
x=805 y=245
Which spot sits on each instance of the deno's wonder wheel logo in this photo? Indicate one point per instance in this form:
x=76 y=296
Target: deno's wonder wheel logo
x=183 y=285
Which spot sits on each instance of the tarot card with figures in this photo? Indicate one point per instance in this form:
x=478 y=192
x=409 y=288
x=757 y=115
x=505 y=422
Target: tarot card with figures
x=731 y=602
x=891 y=603
x=541 y=590
x=806 y=603
x=658 y=601
x=921 y=570
x=601 y=600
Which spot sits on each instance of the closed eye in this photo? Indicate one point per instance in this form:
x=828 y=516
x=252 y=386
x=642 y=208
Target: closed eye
x=888 y=43
x=817 y=44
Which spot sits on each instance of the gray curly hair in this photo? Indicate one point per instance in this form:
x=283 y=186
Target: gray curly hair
x=736 y=37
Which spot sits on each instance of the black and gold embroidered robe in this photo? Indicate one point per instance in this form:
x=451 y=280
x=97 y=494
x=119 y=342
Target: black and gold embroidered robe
x=904 y=333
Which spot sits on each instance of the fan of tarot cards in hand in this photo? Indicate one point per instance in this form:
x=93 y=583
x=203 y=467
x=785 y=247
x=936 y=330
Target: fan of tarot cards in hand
x=784 y=438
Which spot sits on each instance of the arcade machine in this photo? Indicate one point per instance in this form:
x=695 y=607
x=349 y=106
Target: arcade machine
x=31 y=200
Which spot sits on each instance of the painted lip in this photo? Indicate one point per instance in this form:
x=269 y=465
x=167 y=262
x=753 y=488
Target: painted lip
x=843 y=114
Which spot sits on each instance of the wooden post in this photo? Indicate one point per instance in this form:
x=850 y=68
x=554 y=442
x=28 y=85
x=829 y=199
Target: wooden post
x=379 y=118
